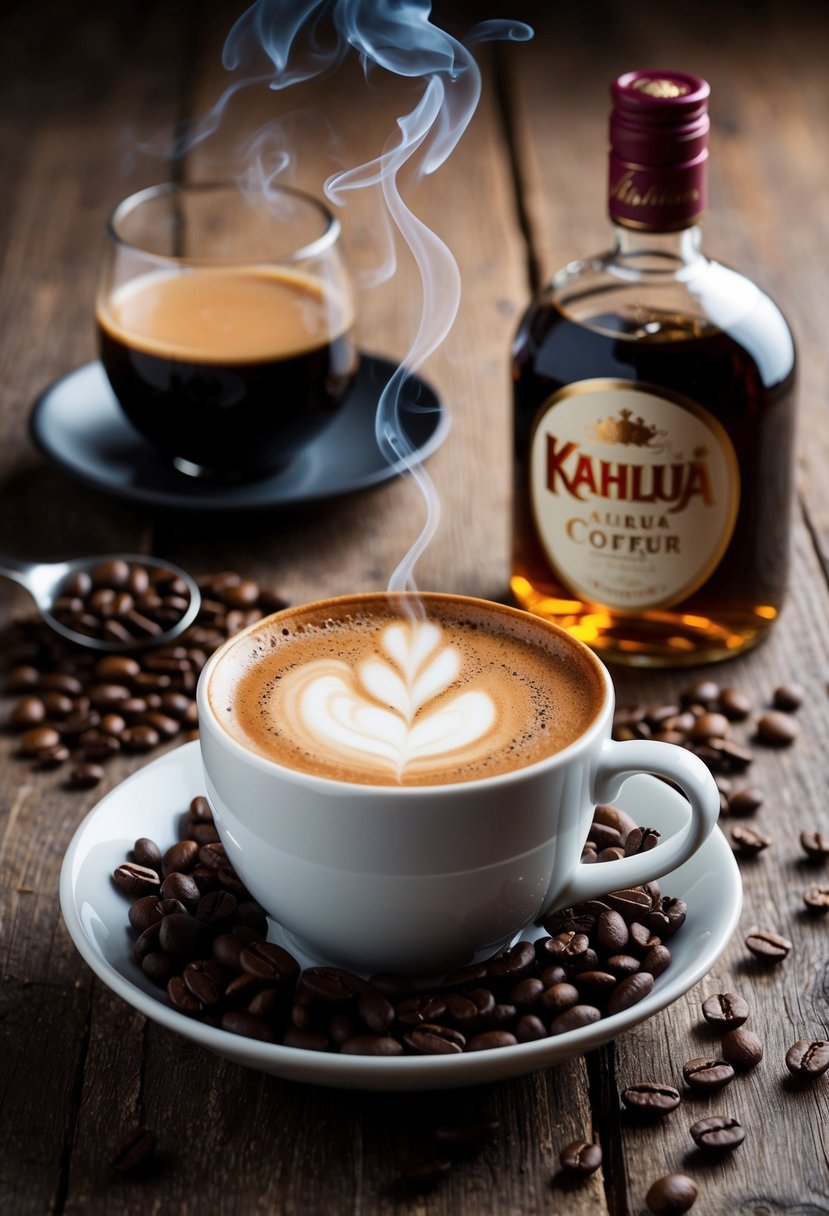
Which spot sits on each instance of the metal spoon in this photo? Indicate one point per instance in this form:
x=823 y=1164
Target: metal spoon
x=43 y=581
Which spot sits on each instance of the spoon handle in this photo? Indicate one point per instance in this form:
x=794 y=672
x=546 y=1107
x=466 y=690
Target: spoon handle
x=18 y=571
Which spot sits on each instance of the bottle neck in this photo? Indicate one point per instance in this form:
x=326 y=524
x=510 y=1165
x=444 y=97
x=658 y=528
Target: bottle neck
x=655 y=252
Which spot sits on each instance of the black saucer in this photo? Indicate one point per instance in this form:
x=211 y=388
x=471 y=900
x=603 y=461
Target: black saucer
x=78 y=424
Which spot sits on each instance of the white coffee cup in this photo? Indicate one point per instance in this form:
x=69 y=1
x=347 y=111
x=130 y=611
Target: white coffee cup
x=421 y=879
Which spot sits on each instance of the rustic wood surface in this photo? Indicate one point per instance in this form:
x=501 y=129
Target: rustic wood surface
x=84 y=91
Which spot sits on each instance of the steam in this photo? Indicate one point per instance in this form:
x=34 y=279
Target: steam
x=304 y=39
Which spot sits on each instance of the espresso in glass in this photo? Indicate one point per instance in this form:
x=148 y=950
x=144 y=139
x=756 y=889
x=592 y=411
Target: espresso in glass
x=390 y=690
x=226 y=325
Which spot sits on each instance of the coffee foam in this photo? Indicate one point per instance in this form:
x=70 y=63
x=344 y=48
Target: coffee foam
x=224 y=314
x=371 y=697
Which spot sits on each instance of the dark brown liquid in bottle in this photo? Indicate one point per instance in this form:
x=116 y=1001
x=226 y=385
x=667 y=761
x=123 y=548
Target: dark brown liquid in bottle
x=745 y=381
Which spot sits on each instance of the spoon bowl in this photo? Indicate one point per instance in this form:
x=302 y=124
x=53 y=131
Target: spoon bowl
x=46 y=582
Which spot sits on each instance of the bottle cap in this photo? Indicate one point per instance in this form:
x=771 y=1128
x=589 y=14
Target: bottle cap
x=658 y=149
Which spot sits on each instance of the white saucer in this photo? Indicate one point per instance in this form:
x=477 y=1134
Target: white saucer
x=150 y=802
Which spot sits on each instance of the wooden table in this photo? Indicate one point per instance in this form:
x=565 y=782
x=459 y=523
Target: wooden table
x=84 y=91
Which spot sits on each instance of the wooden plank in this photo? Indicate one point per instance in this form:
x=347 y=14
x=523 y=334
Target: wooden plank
x=764 y=163
x=70 y=96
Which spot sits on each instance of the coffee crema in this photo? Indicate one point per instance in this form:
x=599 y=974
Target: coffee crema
x=232 y=368
x=359 y=692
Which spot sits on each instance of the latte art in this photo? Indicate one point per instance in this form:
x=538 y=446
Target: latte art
x=389 y=712
x=355 y=690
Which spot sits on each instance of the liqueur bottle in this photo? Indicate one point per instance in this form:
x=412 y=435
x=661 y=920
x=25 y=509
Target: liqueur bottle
x=654 y=415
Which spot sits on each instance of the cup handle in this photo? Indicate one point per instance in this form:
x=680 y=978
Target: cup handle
x=619 y=761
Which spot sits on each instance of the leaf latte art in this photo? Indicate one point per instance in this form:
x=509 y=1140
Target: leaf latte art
x=390 y=711
x=357 y=690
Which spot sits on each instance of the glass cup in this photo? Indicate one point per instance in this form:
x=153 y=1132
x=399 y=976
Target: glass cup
x=226 y=324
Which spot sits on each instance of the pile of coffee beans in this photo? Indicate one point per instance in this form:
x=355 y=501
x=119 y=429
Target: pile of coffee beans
x=123 y=602
x=74 y=710
x=201 y=938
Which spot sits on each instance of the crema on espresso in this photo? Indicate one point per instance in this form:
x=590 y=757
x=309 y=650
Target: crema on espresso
x=357 y=690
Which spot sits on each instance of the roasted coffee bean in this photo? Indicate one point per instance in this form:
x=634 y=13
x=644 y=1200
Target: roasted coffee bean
x=216 y=909
x=559 y=997
x=51 y=757
x=706 y=1072
x=29 y=712
x=788 y=697
x=574 y=1019
x=741 y=1048
x=529 y=1028
x=603 y=836
x=612 y=932
x=513 y=963
x=117 y=669
x=183 y=888
x=815 y=844
x=734 y=704
x=21 y=678
x=306 y=1040
x=134 y=1151
x=238 y=1021
x=166 y=727
x=631 y=904
x=199 y=810
x=725 y=1010
x=158 y=967
x=204 y=833
x=651 y=1098
x=85 y=776
x=816 y=899
x=371 y=1045
x=213 y=856
x=641 y=840
x=490 y=1039
x=149 y=910
x=180 y=857
x=581 y=1158
x=227 y=948
x=205 y=980
x=702 y=691
x=622 y=965
x=770 y=947
x=147 y=853
x=629 y=992
x=434 y=1040
x=181 y=935
x=269 y=962
x=61 y=681
x=671 y=1195
x=709 y=726
x=642 y=936
x=656 y=959
x=777 y=729
x=747 y=841
x=595 y=985
x=718 y=1133
x=37 y=739
x=181 y=998
x=95 y=745
x=375 y=1010
x=615 y=817
x=743 y=803
x=808 y=1059
x=136 y=880
x=468 y=1008
x=139 y=739
x=526 y=992
x=568 y=946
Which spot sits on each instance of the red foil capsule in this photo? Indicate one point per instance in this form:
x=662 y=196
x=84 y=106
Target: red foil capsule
x=658 y=150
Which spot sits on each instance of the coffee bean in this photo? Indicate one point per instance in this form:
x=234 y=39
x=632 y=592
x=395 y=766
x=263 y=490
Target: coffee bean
x=199 y=811
x=37 y=739
x=238 y=1021
x=777 y=729
x=770 y=947
x=51 y=757
x=718 y=1133
x=581 y=1158
x=709 y=726
x=612 y=932
x=734 y=704
x=747 y=841
x=631 y=904
x=595 y=985
x=181 y=935
x=21 y=678
x=147 y=853
x=808 y=1059
x=216 y=908
x=147 y=942
x=559 y=997
x=204 y=980
x=513 y=963
x=29 y=712
x=371 y=1045
x=267 y=961
x=147 y=911
x=306 y=1040
x=671 y=1195
x=434 y=1040
x=136 y=880
x=742 y=1049
x=815 y=844
x=180 y=857
x=134 y=1151
x=574 y=1019
x=629 y=992
x=641 y=840
x=667 y=917
x=707 y=1073
x=651 y=1098
x=656 y=960
x=725 y=1010
x=139 y=739
x=158 y=967
x=375 y=1010
x=622 y=965
x=529 y=1028
x=745 y=802
x=816 y=899
x=489 y=1039
x=526 y=992
x=788 y=697
x=702 y=691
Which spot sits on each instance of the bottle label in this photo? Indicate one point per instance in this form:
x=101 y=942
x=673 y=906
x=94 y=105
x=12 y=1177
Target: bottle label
x=634 y=491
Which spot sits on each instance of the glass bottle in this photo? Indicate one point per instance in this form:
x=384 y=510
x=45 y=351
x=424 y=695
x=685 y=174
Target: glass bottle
x=654 y=416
